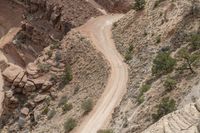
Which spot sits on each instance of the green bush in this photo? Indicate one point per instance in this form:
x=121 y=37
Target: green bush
x=105 y=131
x=143 y=89
x=51 y=114
x=158 y=39
x=43 y=67
x=189 y=59
x=45 y=110
x=69 y=125
x=66 y=77
x=53 y=78
x=58 y=56
x=87 y=105
x=49 y=53
x=67 y=107
x=195 y=41
x=129 y=53
x=170 y=84
x=63 y=100
x=139 y=5
x=157 y=3
x=163 y=64
x=166 y=106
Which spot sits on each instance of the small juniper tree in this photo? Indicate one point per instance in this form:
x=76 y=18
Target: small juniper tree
x=163 y=64
x=195 y=41
x=69 y=125
x=170 y=84
x=139 y=5
x=66 y=77
x=189 y=59
x=87 y=106
x=166 y=106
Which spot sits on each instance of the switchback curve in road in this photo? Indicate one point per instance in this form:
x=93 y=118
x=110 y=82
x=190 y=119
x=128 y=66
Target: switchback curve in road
x=99 y=32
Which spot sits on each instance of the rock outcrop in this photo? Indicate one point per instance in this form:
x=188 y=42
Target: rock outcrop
x=185 y=120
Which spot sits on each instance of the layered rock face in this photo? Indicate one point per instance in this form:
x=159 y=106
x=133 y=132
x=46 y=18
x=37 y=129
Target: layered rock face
x=161 y=25
x=185 y=120
x=45 y=22
x=116 y=6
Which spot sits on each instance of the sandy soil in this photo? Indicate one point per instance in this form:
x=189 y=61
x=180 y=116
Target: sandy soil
x=97 y=6
x=99 y=31
x=10 y=16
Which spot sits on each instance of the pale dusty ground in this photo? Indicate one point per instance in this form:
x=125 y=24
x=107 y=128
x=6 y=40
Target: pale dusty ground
x=99 y=31
x=97 y=6
x=2 y=57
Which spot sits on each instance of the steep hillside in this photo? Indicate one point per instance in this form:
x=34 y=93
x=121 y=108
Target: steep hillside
x=116 y=6
x=162 y=28
x=43 y=87
x=53 y=74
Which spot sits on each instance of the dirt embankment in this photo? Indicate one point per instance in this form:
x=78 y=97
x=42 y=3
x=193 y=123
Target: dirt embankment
x=116 y=6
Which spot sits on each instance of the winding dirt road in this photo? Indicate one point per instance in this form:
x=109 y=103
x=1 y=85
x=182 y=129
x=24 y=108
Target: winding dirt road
x=99 y=31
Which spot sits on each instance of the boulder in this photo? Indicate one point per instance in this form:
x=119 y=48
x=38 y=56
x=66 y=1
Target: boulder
x=29 y=87
x=38 y=83
x=197 y=105
x=25 y=111
x=23 y=81
x=40 y=98
x=46 y=86
x=18 y=79
x=11 y=72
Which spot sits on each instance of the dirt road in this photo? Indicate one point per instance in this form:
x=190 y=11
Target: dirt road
x=99 y=31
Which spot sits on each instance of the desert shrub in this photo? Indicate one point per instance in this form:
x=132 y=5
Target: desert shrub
x=189 y=59
x=158 y=39
x=66 y=77
x=139 y=5
x=87 y=105
x=67 y=107
x=129 y=53
x=195 y=41
x=55 y=45
x=69 y=125
x=170 y=84
x=45 y=110
x=58 y=56
x=43 y=67
x=143 y=89
x=105 y=131
x=51 y=114
x=166 y=106
x=63 y=100
x=49 y=53
x=53 y=77
x=76 y=89
x=163 y=64
x=157 y=3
